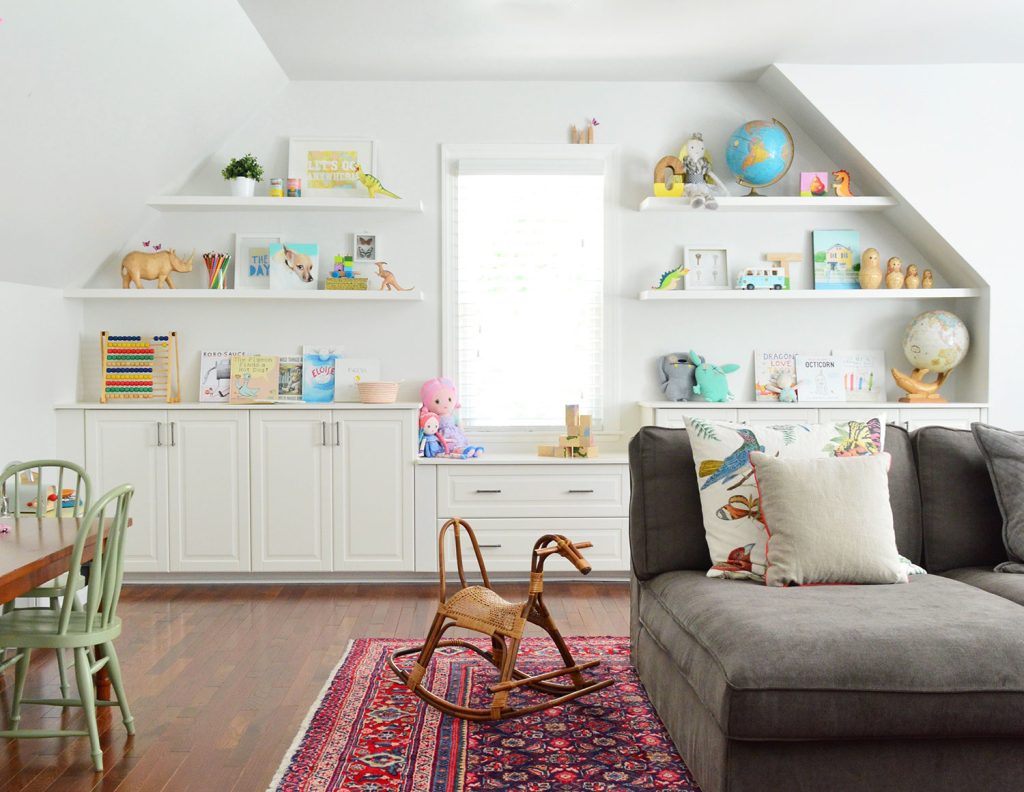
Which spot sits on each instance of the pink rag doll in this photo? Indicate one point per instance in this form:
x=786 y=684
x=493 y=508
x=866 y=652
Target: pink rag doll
x=440 y=397
x=432 y=444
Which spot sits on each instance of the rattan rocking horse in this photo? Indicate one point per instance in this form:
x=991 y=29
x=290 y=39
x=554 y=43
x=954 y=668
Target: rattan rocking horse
x=479 y=608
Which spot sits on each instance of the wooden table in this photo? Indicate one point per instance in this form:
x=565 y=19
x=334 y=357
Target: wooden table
x=37 y=550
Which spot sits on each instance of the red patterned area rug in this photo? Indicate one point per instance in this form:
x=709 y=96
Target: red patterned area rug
x=368 y=732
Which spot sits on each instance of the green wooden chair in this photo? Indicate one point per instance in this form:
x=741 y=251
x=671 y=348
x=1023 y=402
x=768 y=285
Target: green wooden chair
x=11 y=490
x=84 y=629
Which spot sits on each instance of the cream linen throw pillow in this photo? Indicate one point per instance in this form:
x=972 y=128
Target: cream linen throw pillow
x=828 y=520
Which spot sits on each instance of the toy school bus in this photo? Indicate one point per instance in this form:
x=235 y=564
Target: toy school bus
x=762 y=278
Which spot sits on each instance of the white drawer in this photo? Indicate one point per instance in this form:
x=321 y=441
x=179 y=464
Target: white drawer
x=533 y=491
x=672 y=418
x=861 y=413
x=953 y=417
x=507 y=545
x=770 y=416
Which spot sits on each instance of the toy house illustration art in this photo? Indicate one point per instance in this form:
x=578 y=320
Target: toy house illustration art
x=836 y=259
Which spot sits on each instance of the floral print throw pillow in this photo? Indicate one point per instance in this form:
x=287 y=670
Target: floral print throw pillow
x=728 y=493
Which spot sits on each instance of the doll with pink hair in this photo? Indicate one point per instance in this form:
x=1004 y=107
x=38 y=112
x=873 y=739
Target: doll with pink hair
x=440 y=397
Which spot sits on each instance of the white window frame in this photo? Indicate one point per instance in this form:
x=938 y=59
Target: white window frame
x=451 y=154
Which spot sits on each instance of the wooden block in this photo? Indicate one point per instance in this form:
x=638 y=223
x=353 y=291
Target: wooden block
x=550 y=451
x=586 y=430
x=572 y=418
x=568 y=441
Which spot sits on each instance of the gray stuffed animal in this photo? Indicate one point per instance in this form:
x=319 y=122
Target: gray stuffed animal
x=675 y=373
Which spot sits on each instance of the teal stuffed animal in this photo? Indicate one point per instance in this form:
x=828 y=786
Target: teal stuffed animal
x=711 y=381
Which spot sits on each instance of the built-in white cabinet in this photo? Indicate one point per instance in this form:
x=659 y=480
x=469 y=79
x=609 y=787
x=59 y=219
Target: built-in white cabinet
x=283 y=489
x=909 y=416
x=190 y=512
x=129 y=447
x=291 y=491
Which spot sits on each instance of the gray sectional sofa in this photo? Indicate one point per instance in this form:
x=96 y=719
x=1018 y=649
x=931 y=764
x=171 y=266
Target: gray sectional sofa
x=834 y=688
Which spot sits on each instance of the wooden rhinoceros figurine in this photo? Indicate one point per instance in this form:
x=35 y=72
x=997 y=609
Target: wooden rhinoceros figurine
x=138 y=266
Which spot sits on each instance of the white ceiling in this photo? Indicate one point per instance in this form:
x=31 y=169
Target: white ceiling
x=624 y=39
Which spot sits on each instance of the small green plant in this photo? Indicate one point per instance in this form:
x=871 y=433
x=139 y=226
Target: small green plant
x=247 y=167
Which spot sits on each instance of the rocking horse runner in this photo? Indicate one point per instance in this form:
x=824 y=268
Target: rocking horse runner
x=479 y=608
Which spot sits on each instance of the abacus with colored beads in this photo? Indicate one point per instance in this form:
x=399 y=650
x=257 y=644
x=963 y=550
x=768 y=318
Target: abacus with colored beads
x=139 y=367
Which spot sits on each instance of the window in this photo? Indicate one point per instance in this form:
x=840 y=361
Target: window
x=528 y=271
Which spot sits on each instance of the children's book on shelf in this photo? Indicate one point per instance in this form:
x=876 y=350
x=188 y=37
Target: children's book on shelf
x=215 y=375
x=289 y=378
x=318 y=373
x=767 y=367
x=863 y=373
x=818 y=378
x=836 y=259
x=349 y=373
x=253 y=379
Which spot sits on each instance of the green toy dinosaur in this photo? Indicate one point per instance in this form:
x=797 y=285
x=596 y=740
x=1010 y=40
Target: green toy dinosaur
x=668 y=279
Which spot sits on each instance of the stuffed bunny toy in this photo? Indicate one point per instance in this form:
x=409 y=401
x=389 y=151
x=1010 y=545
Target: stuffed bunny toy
x=711 y=381
x=675 y=372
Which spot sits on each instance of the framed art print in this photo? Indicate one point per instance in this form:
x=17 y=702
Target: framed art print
x=364 y=249
x=294 y=266
x=327 y=166
x=252 y=259
x=709 y=268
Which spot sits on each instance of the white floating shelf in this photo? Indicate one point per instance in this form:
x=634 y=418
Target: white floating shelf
x=775 y=405
x=743 y=295
x=769 y=203
x=242 y=294
x=229 y=203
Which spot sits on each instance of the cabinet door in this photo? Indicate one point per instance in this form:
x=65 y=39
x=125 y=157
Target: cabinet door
x=950 y=417
x=373 y=490
x=129 y=446
x=291 y=490
x=208 y=489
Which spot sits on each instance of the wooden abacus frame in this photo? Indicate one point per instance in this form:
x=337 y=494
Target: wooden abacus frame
x=156 y=375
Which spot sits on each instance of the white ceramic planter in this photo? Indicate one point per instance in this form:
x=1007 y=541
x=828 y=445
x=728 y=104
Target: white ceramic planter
x=242 y=187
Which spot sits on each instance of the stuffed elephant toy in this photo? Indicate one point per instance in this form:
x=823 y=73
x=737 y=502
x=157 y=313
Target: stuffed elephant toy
x=675 y=373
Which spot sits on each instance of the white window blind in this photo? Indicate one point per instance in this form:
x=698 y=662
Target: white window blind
x=530 y=291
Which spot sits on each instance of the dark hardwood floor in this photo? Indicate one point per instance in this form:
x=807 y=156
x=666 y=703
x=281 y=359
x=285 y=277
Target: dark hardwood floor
x=220 y=677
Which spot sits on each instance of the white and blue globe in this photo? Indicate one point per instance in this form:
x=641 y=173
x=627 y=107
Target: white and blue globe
x=936 y=340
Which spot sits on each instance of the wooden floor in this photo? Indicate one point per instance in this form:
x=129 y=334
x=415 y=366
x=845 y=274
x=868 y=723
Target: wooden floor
x=220 y=678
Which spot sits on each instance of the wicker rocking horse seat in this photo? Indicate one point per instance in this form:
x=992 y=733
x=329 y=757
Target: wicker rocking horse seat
x=479 y=608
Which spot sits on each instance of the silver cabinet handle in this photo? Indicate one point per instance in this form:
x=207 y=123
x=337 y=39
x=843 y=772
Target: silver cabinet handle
x=173 y=441
x=337 y=433
x=488 y=491
x=323 y=433
x=581 y=492
x=159 y=433
x=489 y=546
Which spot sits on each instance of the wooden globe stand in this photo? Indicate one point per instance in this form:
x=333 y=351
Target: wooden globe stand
x=479 y=608
x=917 y=389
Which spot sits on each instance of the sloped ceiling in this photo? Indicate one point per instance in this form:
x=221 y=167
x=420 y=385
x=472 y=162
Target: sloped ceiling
x=618 y=40
x=104 y=104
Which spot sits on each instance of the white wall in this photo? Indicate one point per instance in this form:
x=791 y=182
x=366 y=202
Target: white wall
x=411 y=120
x=104 y=104
x=40 y=332
x=946 y=137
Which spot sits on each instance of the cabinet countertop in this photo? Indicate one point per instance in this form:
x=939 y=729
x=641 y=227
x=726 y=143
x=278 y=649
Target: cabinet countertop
x=159 y=405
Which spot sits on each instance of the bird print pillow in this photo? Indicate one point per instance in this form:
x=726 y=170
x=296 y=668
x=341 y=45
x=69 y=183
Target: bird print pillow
x=735 y=534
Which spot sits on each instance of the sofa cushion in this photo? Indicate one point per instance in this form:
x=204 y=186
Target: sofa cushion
x=1004 y=455
x=962 y=524
x=999 y=583
x=666 y=524
x=822 y=662
x=828 y=520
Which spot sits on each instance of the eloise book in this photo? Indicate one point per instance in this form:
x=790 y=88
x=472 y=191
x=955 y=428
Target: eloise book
x=254 y=379
x=318 y=372
x=863 y=373
x=767 y=367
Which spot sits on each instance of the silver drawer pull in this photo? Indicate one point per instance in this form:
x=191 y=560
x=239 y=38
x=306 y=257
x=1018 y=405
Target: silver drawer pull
x=488 y=492
x=581 y=492
x=489 y=547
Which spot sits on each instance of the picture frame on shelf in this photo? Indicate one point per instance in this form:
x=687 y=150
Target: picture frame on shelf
x=364 y=248
x=252 y=259
x=294 y=266
x=813 y=184
x=708 y=268
x=836 y=258
x=327 y=165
